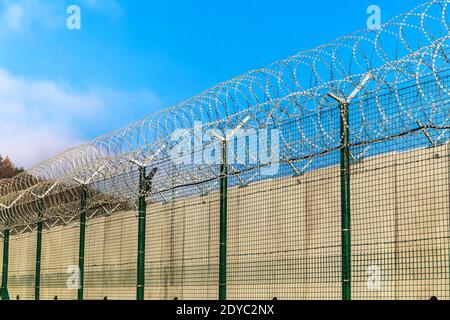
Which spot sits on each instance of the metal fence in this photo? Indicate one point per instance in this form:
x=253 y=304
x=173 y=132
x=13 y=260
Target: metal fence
x=322 y=176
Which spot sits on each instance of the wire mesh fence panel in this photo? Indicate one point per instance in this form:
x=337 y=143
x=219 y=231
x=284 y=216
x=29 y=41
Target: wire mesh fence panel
x=121 y=237
x=267 y=240
x=111 y=248
x=182 y=249
x=59 y=270
x=323 y=234
x=400 y=196
x=285 y=228
x=423 y=220
x=22 y=266
x=401 y=248
x=373 y=227
x=97 y=274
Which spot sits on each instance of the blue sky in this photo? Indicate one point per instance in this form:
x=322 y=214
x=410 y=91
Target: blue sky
x=59 y=87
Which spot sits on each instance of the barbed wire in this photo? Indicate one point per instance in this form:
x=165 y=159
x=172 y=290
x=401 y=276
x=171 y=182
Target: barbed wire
x=408 y=64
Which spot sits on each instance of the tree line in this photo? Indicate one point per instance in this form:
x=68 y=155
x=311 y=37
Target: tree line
x=8 y=169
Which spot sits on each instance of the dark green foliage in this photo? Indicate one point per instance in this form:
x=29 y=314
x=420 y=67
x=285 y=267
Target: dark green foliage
x=8 y=169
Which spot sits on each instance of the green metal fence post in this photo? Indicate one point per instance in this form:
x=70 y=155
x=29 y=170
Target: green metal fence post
x=141 y=235
x=4 y=288
x=223 y=223
x=84 y=195
x=345 y=202
x=37 y=280
x=223 y=207
x=346 y=246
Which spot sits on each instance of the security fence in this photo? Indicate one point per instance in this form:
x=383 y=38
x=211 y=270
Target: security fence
x=322 y=176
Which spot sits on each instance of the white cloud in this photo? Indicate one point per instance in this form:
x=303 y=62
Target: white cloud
x=27 y=145
x=13 y=16
x=22 y=15
x=40 y=118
